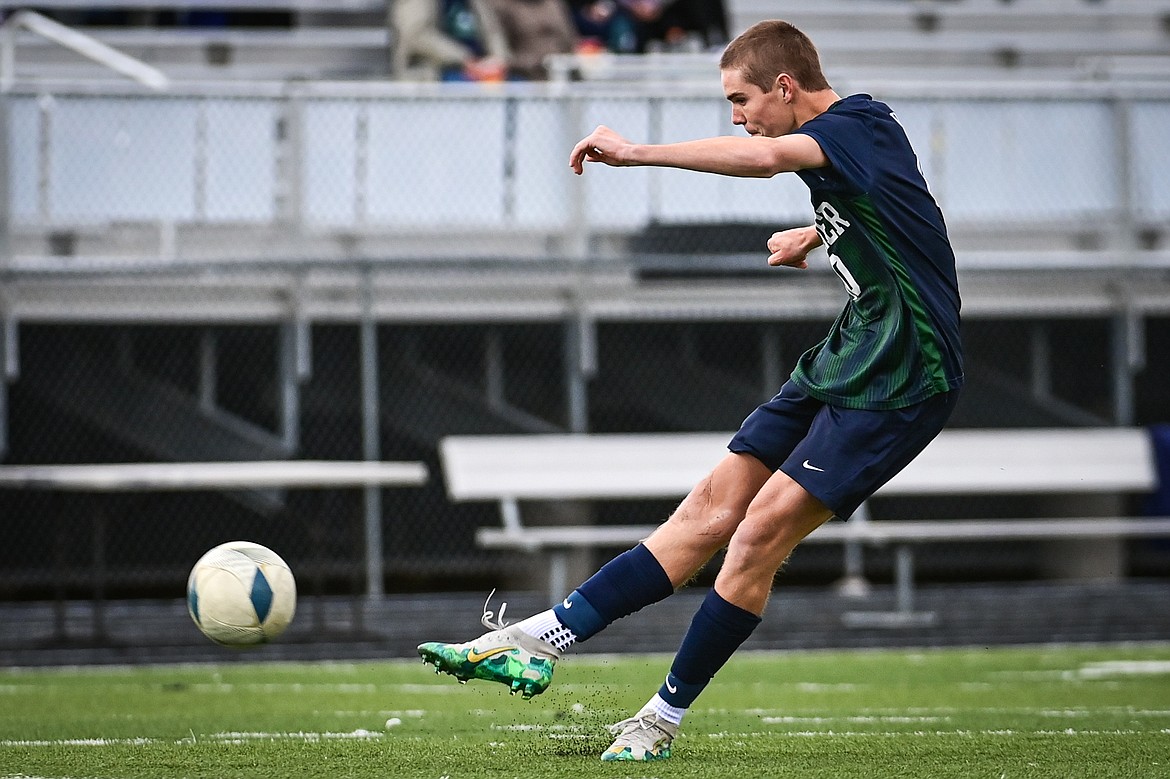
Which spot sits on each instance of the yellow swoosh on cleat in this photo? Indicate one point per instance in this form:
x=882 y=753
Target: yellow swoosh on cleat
x=475 y=657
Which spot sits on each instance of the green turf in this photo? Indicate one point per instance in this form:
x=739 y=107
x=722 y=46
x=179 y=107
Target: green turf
x=1092 y=712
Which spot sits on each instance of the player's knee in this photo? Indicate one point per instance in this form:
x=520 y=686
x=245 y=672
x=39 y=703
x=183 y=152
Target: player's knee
x=764 y=544
x=708 y=520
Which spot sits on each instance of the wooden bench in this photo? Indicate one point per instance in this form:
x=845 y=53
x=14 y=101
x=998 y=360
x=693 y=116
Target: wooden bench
x=512 y=470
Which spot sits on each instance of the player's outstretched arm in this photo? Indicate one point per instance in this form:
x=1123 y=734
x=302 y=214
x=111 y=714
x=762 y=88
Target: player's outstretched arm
x=749 y=157
x=601 y=145
x=790 y=248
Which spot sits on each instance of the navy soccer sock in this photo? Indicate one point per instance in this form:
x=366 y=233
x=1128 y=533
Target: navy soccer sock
x=716 y=631
x=626 y=583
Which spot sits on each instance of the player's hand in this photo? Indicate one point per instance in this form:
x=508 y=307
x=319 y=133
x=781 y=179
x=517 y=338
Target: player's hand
x=601 y=145
x=790 y=248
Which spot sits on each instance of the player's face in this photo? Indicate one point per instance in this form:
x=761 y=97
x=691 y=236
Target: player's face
x=757 y=111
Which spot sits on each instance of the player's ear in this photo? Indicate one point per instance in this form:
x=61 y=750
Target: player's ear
x=783 y=85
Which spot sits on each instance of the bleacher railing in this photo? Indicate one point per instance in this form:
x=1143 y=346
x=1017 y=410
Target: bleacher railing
x=230 y=171
x=79 y=42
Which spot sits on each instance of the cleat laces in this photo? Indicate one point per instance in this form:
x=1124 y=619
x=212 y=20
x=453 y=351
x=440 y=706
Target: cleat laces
x=492 y=621
x=638 y=721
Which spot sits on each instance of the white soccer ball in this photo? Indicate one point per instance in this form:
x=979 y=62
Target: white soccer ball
x=241 y=594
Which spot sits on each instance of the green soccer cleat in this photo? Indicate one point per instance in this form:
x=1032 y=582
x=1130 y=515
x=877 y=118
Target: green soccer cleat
x=641 y=738
x=505 y=655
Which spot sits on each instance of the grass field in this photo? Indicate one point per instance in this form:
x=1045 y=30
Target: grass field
x=1093 y=712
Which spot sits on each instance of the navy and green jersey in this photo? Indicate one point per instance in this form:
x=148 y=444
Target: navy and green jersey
x=897 y=340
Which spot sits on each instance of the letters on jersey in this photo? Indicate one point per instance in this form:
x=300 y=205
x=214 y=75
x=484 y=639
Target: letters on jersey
x=896 y=342
x=830 y=225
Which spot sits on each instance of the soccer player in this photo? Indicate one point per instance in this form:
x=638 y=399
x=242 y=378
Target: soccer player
x=857 y=408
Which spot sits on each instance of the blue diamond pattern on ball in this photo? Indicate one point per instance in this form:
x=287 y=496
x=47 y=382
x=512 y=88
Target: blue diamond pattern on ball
x=261 y=595
x=193 y=604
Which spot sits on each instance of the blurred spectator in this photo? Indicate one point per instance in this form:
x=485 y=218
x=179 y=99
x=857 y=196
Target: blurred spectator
x=606 y=25
x=533 y=30
x=688 y=24
x=629 y=26
x=452 y=39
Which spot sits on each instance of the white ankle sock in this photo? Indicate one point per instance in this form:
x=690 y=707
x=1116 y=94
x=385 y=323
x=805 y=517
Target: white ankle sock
x=672 y=714
x=547 y=627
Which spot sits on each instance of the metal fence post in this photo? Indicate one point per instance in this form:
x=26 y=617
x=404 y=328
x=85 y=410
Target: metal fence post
x=371 y=443
x=10 y=352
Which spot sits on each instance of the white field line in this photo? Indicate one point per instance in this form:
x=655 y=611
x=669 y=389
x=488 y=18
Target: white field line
x=1104 y=669
x=78 y=742
x=416 y=713
x=523 y=727
x=966 y=733
x=569 y=731
x=218 y=738
x=893 y=719
x=237 y=737
x=286 y=687
x=269 y=687
x=943 y=712
x=1110 y=669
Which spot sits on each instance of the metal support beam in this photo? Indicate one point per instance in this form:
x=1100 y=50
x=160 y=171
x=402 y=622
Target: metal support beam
x=558 y=574
x=292 y=368
x=4 y=434
x=289 y=194
x=10 y=345
x=904 y=578
x=371 y=442
x=853 y=582
x=575 y=243
x=1128 y=357
x=1041 y=354
x=771 y=360
x=580 y=366
x=493 y=368
x=208 y=370
x=5 y=183
x=1124 y=225
x=361 y=165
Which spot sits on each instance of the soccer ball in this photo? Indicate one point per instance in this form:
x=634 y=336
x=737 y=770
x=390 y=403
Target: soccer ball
x=241 y=594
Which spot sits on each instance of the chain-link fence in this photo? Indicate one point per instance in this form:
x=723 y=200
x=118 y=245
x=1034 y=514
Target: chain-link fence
x=237 y=274
x=123 y=393
x=390 y=171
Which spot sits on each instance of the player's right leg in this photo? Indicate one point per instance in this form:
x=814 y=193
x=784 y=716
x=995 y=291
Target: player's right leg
x=524 y=654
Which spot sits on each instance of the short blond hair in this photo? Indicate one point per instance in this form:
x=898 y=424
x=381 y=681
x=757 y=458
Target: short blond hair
x=767 y=49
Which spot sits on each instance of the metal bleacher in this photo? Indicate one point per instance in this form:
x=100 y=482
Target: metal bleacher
x=267 y=143
x=961 y=38
x=280 y=178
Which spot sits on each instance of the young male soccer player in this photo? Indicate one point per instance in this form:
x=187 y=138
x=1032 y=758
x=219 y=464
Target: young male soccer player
x=857 y=408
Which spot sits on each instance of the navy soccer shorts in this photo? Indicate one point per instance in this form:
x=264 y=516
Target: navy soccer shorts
x=840 y=455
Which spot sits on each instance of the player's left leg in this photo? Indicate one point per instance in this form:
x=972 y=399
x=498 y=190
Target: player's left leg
x=845 y=457
x=782 y=514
